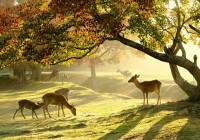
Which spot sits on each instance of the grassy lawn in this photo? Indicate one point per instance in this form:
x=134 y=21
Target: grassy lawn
x=100 y=116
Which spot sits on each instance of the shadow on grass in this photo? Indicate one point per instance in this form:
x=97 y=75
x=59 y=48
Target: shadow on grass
x=58 y=127
x=9 y=132
x=35 y=86
x=130 y=122
x=154 y=130
x=186 y=132
x=190 y=130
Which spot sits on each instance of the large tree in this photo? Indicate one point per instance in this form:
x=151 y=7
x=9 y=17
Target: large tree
x=59 y=31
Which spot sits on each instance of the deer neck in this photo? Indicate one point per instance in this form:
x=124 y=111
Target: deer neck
x=68 y=105
x=137 y=84
x=38 y=106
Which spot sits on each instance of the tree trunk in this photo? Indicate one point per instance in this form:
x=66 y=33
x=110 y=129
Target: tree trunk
x=19 y=72
x=92 y=68
x=36 y=72
x=193 y=91
x=93 y=74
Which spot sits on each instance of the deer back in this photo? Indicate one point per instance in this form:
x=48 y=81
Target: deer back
x=55 y=99
x=27 y=104
x=151 y=86
x=63 y=91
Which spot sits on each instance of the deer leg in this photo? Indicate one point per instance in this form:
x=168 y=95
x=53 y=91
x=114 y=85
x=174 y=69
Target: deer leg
x=63 y=110
x=16 y=112
x=22 y=113
x=35 y=114
x=144 y=98
x=147 y=97
x=32 y=114
x=159 y=96
x=158 y=99
x=58 y=110
x=48 y=112
x=44 y=112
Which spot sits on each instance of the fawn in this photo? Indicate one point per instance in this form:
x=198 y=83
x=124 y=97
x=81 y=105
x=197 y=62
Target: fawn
x=28 y=105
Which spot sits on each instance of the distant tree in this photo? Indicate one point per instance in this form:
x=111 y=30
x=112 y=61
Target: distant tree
x=19 y=70
x=110 y=52
x=36 y=71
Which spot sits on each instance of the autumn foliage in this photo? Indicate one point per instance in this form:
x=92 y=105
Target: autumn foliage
x=59 y=31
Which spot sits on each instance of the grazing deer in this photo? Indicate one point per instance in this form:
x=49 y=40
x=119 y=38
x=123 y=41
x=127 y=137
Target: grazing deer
x=28 y=105
x=55 y=99
x=64 y=92
x=147 y=86
x=125 y=73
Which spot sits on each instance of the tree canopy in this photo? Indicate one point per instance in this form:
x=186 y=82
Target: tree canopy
x=60 y=31
x=55 y=31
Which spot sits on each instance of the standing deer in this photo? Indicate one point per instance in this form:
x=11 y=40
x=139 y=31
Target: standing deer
x=63 y=76
x=28 y=105
x=55 y=99
x=55 y=74
x=125 y=73
x=64 y=92
x=147 y=86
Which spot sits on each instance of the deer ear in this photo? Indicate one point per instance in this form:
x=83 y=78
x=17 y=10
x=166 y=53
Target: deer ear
x=138 y=76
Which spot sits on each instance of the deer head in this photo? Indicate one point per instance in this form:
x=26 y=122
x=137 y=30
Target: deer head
x=73 y=110
x=133 y=79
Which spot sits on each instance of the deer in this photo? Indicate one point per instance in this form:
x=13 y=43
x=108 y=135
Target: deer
x=125 y=73
x=146 y=87
x=56 y=99
x=63 y=77
x=54 y=74
x=64 y=92
x=28 y=105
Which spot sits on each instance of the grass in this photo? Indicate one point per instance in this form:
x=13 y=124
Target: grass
x=100 y=116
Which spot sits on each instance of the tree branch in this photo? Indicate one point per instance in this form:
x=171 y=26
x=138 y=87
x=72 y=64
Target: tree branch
x=195 y=29
x=89 y=50
x=172 y=59
x=72 y=57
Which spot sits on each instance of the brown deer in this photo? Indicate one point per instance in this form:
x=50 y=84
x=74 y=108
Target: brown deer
x=54 y=74
x=63 y=91
x=147 y=86
x=28 y=105
x=55 y=99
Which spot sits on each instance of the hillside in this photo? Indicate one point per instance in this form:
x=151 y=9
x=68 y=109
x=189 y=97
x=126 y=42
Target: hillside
x=103 y=115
